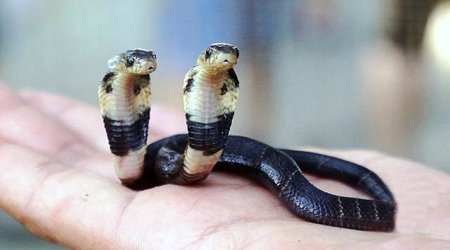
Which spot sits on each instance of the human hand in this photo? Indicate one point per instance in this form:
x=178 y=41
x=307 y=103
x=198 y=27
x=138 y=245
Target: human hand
x=57 y=178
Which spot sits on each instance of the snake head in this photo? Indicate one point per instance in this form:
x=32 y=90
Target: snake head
x=136 y=61
x=219 y=56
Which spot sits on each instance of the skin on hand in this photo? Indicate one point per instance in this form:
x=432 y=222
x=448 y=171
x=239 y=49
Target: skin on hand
x=57 y=178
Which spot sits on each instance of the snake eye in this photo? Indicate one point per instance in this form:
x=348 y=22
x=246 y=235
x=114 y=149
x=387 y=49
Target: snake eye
x=129 y=62
x=208 y=53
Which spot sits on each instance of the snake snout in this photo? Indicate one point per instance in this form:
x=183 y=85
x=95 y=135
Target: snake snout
x=149 y=66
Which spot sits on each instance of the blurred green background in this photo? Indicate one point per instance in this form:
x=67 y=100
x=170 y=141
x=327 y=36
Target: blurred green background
x=336 y=74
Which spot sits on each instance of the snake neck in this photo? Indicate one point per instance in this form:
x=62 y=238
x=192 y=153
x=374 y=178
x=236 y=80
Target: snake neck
x=203 y=101
x=125 y=106
x=123 y=96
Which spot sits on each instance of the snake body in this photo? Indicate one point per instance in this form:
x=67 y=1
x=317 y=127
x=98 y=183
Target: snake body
x=210 y=96
x=124 y=96
x=210 y=91
x=280 y=172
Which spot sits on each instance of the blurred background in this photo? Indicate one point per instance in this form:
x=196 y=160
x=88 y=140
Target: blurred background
x=329 y=73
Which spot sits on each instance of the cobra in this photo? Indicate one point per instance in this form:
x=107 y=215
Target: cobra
x=124 y=96
x=210 y=96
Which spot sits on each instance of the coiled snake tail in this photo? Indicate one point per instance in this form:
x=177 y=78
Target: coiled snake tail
x=281 y=174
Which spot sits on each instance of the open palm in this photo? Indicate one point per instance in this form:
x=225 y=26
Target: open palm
x=56 y=178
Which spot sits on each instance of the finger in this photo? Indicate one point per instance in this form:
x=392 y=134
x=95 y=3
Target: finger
x=25 y=125
x=88 y=119
x=83 y=119
x=59 y=203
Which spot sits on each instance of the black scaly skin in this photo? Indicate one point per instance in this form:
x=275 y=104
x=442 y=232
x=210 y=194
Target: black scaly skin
x=347 y=172
x=125 y=138
x=279 y=171
x=209 y=137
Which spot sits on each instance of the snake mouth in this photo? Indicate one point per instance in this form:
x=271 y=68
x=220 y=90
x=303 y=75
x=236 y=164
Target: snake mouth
x=226 y=62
